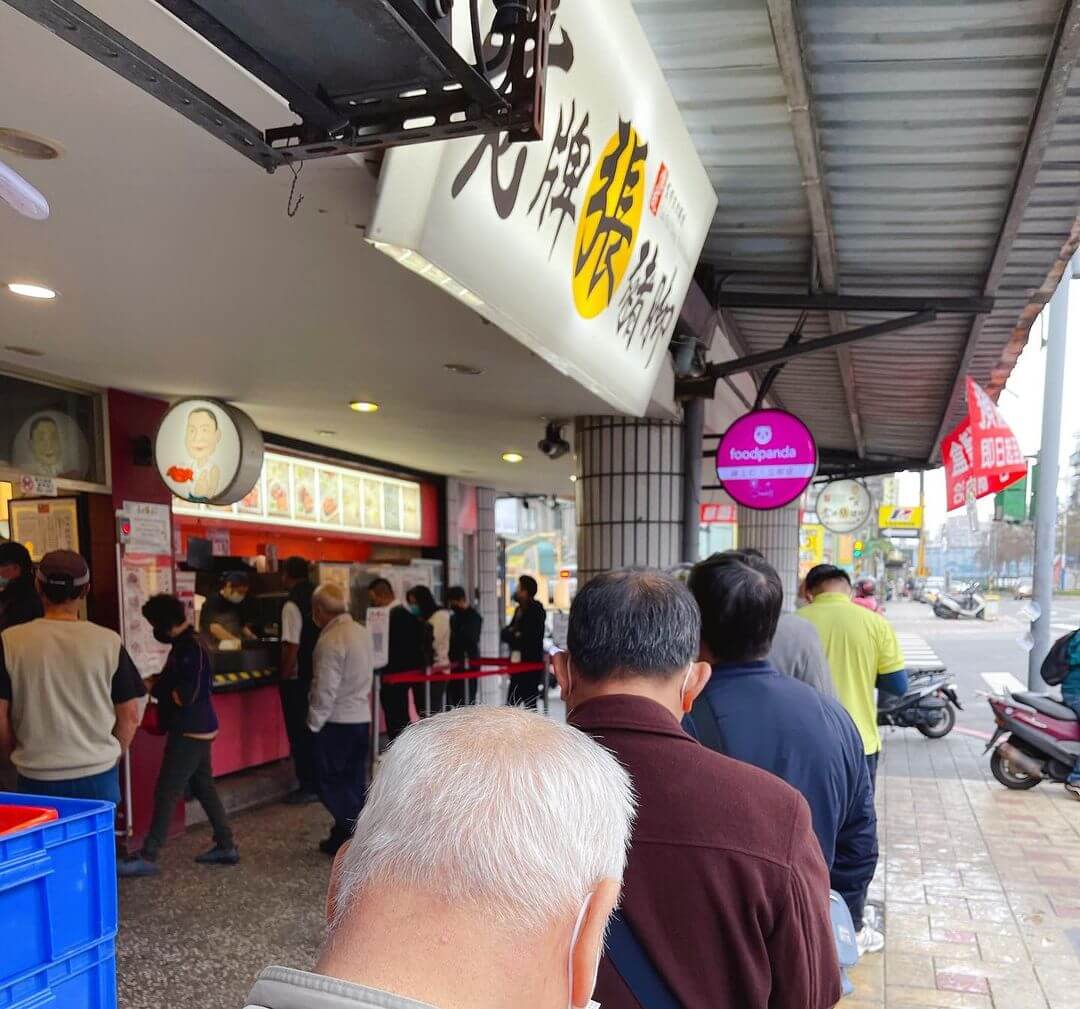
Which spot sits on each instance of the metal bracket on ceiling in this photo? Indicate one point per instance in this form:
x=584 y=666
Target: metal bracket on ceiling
x=463 y=104
x=705 y=385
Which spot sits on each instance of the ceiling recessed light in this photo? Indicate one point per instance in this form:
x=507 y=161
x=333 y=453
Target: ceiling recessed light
x=573 y=478
x=25 y=351
x=363 y=406
x=322 y=433
x=512 y=457
x=32 y=291
x=27 y=145
x=464 y=369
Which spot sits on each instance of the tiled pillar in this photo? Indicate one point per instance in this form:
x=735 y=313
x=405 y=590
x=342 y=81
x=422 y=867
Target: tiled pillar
x=776 y=534
x=455 y=568
x=629 y=493
x=492 y=690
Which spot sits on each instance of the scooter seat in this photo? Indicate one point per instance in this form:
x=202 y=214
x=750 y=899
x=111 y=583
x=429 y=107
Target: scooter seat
x=1047 y=706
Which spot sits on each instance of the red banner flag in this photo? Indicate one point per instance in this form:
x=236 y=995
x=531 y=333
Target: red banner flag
x=994 y=450
x=962 y=482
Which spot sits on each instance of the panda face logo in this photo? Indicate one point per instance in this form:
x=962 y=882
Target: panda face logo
x=763 y=434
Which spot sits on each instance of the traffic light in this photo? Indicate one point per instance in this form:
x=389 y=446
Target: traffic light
x=858 y=548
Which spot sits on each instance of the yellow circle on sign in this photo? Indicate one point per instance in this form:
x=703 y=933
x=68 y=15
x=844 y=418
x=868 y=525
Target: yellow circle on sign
x=610 y=218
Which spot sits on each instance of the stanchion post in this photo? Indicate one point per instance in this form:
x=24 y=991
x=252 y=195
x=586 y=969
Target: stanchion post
x=376 y=711
x=544 y=685
x=427 y=693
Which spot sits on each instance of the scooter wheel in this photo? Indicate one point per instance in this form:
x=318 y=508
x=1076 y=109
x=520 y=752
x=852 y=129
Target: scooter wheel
x=942 y=727
x=1009 y=776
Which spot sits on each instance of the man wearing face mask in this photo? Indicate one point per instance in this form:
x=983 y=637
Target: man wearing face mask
x=726 y=897
x=19 y=599
x=228 y=615
x=492 y=892
x=186 y=710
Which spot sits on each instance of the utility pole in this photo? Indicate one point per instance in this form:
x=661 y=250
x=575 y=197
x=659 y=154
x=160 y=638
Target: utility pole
x=922 y=572
x=1049 y=452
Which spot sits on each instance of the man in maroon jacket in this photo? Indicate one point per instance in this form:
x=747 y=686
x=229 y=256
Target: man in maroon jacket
x=726 y=891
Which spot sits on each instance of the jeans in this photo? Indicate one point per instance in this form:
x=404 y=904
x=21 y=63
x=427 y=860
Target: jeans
x=186 y=764
x=341 y=753
x=294 y=709
x=104 y=786
x=1073 y=701
x=524 y=688
x=871 y=766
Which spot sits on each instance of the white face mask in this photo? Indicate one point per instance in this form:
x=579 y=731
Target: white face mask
x=570 y=961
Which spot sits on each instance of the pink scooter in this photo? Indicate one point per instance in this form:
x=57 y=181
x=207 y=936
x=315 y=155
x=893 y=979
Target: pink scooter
x=1043 y=739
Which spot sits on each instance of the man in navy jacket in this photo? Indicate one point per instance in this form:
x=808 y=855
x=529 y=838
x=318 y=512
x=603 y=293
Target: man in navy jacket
x=782 y=725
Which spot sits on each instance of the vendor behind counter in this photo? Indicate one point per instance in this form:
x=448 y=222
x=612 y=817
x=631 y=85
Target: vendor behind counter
x=229 y=613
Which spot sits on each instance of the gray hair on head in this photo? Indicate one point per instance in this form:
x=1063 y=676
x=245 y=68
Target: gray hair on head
x=330 y=599
x=498 y=809
x=630 y=623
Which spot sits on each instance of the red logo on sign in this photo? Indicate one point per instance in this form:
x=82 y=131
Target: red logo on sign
x=658 y=189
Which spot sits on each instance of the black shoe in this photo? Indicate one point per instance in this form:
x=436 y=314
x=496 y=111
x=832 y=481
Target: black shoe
x=219 y=856
x=300 y=797
x=137 y=865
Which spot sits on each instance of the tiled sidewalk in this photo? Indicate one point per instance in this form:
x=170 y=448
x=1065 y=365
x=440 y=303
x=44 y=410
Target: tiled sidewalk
x=981 y=886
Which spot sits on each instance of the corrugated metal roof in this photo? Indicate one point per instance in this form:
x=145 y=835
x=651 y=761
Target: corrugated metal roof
x=923 y=111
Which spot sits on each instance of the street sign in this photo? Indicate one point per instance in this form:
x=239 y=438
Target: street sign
x=892 y=517
x=843 y=506
x=766 y=459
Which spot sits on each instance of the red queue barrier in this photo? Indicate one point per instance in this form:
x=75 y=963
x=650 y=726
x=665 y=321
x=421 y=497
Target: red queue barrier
x=416 y=677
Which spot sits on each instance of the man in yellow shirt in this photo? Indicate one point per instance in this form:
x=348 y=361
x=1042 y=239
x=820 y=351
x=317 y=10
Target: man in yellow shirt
x=862 y=650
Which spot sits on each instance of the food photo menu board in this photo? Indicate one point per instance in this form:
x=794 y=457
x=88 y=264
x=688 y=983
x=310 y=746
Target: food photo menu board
x=298 y=492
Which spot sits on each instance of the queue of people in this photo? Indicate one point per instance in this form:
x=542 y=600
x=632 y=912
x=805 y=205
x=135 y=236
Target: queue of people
x=515 y=861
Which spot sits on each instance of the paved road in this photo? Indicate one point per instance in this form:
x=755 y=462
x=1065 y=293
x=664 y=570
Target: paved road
x=969 y=648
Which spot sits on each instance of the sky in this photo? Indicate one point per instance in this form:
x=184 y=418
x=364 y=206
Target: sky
x=1021 y=403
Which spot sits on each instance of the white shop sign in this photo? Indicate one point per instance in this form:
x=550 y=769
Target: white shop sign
x=581 y=245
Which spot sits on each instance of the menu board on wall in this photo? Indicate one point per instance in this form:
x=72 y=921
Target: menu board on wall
x=298 y=492
x=42 y=526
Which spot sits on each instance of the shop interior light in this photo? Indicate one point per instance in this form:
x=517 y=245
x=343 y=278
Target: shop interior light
x=573 y=478
x=32 y=291
x=412 y=260
x=464 y=369
x=324 y=433
x=512 y=457
x=363 y=406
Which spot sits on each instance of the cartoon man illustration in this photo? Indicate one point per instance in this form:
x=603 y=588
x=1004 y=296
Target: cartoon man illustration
x=201 y=441
x=46 y=447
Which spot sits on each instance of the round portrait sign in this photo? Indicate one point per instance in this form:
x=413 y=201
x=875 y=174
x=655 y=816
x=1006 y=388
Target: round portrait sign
x=766 y=459
x=843 y=506
x=208 y=452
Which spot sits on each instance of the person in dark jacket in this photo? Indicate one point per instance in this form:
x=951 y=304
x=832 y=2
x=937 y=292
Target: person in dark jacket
x=725 y=889
x=186 y=710
x=465 y=627
x=525 y=636
x=19 y=599
x=298 y=637
x=784 y=726
x=406 y=650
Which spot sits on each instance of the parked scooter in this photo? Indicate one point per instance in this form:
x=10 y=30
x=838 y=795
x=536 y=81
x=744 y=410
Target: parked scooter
x=1042 y=738
x=967 y=605
x=927 y=706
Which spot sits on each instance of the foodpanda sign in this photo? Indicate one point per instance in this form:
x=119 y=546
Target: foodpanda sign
x=766 y=459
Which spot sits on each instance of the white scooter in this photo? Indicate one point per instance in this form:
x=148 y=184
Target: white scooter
x=968 y=605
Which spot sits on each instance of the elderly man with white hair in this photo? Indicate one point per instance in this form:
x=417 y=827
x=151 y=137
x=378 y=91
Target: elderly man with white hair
x=481 y=874
x=339 y=711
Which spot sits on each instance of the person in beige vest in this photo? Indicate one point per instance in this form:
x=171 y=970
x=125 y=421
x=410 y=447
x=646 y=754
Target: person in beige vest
x=69 y=692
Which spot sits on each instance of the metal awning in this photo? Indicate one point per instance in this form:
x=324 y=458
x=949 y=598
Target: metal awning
x=929 y=150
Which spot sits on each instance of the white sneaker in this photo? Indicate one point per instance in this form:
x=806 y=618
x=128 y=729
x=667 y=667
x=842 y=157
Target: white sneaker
x=869 y=940
x=871 y=916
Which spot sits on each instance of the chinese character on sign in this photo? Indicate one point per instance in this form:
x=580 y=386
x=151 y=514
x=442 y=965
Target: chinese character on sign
x=638 y=285
x=660 y=315
x=617 y=197
x=503 y=195
x=958 y=460
x=568 y=160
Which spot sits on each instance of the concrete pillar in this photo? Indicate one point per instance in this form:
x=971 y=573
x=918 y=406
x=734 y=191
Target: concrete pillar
x=629 y=493
x=776 y=534
x=492 y=689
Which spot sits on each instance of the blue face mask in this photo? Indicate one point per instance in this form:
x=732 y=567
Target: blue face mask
x=414 y=609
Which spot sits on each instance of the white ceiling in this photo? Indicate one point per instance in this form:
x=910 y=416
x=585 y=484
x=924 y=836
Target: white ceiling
x=179 y=273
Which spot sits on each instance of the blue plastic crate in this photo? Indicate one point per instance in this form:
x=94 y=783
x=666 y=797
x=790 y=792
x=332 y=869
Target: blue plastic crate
x=58 y=908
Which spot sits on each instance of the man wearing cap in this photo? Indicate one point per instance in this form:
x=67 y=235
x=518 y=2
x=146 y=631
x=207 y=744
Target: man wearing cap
x=69 y=692
x=228 y=615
